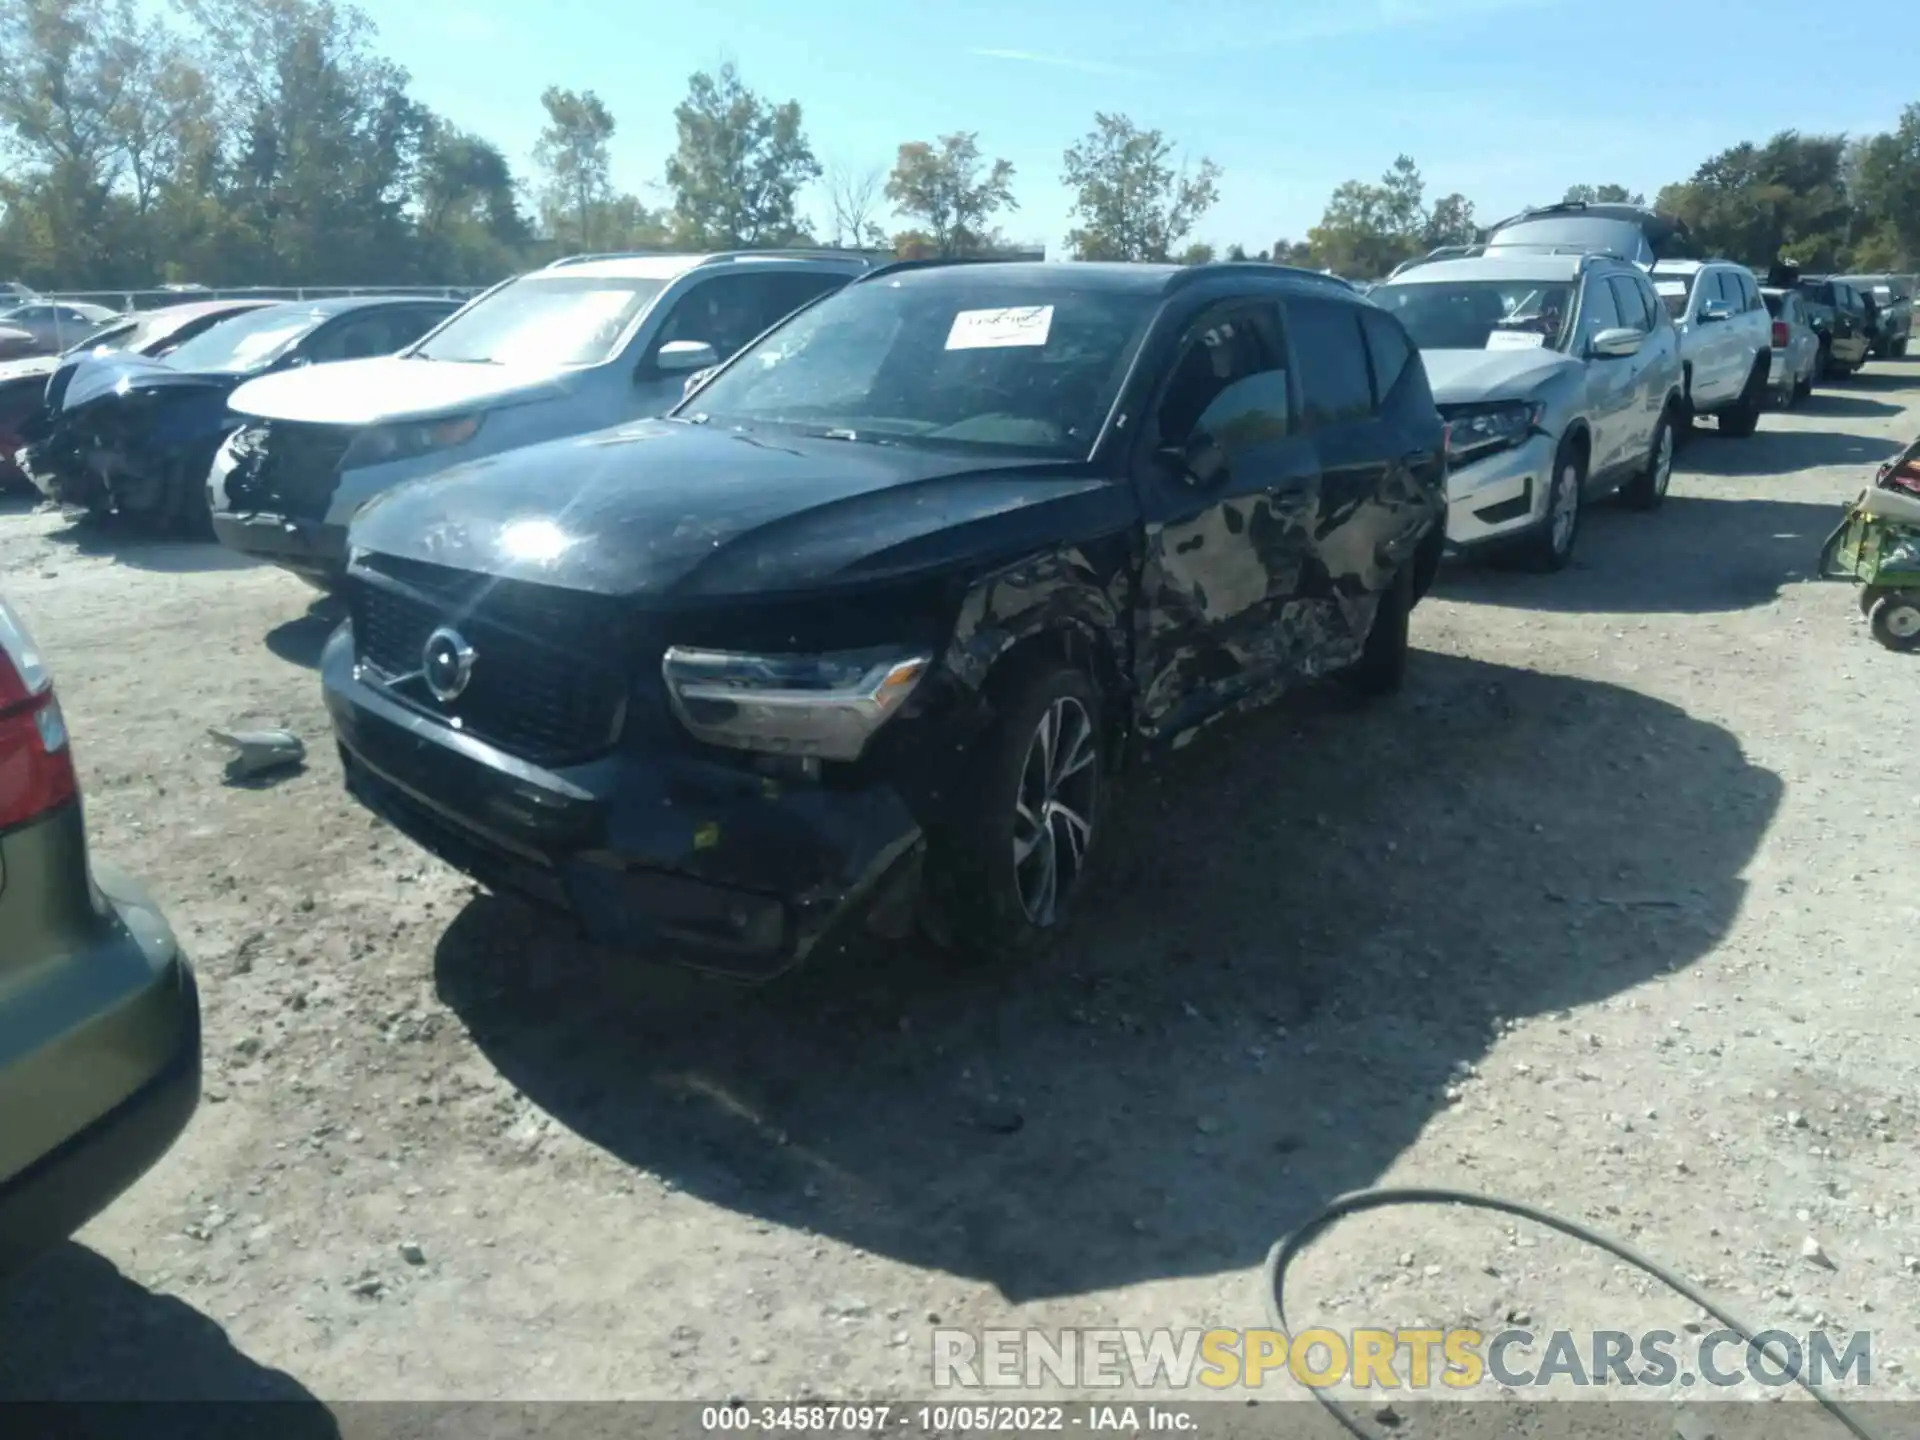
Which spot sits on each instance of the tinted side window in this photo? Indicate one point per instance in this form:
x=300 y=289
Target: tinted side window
x=1387 y=348
x=1650 y=301
x=1597 y=309
x=1335 y=383
x=1626 y=299
x=1229 y=382
x=727 y=311
x=406 y=326
x=358 y=337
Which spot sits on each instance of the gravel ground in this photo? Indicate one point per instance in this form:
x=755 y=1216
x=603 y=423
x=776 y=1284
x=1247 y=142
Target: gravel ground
x=1605 y=912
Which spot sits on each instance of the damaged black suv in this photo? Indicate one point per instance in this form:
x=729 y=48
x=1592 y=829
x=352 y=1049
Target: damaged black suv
x=866 y=622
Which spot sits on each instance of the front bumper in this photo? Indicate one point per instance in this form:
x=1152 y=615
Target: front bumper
x=311 y=549
x=1499 y=497
x=156 y=1025
x=669 y=855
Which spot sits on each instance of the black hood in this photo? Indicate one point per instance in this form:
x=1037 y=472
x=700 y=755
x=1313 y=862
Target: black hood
x=87 y=378
x=672 y=509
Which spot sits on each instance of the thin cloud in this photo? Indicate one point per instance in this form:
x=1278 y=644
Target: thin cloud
x=1351 y=18
x=1062 y=62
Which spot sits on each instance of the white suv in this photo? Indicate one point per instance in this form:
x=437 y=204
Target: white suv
x=1726 y=339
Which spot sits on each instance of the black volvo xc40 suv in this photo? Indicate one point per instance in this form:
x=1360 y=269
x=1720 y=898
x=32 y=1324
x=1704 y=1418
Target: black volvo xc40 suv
x=870 y=618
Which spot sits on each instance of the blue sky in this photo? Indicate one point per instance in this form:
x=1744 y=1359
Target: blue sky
x=1506 y=101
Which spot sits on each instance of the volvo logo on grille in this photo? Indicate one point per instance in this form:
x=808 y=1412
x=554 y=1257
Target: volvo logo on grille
x=447 y=663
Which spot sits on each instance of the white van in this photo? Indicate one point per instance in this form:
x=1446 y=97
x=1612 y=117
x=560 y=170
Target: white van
x=587 y=343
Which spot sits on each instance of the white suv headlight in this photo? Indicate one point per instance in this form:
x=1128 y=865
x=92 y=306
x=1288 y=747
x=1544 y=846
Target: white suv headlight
x=827 y=706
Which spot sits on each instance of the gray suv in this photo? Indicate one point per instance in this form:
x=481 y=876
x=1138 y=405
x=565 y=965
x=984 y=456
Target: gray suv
x=1560 y=378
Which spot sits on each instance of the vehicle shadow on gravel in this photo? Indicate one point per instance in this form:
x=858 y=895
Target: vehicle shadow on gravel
x=300 y=641
x=1827 y=404
x=74 y=1329
x=1696 y=554
x=1305 y=925
x=103 y=536
x=1779 y=453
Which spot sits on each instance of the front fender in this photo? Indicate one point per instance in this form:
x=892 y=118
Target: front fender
x=1084 y=591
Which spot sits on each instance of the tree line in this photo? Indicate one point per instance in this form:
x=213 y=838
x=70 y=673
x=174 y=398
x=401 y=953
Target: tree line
x=241 y=142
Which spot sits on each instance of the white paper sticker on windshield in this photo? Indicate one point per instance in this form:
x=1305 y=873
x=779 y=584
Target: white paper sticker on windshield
x=993 y=329
x=1515 y=340
x=1669 y=287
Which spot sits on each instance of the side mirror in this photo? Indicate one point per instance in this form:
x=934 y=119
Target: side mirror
x=1715 y=310
x=678 y=357
x=1200 y=462
x=1618 y=343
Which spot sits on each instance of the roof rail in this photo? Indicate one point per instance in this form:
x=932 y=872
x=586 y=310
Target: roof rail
x=1191 y=274
x=791 y=252
x=933 y=262
x=721 y=257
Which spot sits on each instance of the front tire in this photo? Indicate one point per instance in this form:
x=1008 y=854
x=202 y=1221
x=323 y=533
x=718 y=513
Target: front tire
x=1004 y=869
x=1382 y=667
x=1743 y=418
x=1895 y=620
x=1648 y=489
x=1550 y=548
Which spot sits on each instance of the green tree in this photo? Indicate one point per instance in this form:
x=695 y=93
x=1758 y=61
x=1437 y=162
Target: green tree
x=1887 y=185
x=1369 y=229
x=1601 y=195
x=950 y=189
x=322 y=141
x=1449 y=222
x=574 y=151
x=1131 y=201
x=738 y=169
x=1198 y=253
x=1761 y=203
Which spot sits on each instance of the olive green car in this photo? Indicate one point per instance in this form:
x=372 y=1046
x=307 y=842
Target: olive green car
x=99 y=1014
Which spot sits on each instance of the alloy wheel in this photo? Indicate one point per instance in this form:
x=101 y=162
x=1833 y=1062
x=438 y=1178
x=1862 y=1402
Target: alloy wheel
x=1053 y=810
x=1565 y=508
x=1663 y=462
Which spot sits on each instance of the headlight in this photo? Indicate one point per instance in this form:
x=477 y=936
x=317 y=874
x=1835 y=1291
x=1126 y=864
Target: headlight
x=1486 y=428
x=383 y=444
x=823 y=705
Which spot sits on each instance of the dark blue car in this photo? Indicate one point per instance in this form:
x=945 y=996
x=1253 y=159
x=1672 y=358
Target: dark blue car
x=125 y=434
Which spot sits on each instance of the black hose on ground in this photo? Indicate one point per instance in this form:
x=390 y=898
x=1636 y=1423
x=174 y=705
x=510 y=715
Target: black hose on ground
x=1289 y=1247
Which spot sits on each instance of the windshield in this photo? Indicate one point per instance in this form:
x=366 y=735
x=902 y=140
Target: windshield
x=109 y=337
x=973 y=360
x=1481 y=314
x=246 y=342
x=544 y=319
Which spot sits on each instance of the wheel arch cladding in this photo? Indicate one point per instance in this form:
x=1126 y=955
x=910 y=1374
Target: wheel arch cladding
x=1069 y=604
x=1581 y=439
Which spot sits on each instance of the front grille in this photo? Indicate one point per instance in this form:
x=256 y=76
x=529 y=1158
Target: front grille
x=549 y=675
x=287 y=469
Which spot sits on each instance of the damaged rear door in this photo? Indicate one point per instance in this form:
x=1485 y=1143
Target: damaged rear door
x=1229 y=490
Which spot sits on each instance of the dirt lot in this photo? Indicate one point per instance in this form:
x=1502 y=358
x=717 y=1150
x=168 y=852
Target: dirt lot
x=1607 y=912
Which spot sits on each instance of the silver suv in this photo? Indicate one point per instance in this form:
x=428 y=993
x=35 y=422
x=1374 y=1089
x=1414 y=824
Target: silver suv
x=1726 y=339
x=587 y=343
x=1560 y=377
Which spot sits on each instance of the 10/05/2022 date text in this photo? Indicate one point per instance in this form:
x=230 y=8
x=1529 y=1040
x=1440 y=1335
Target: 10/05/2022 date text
x=943 y=1419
